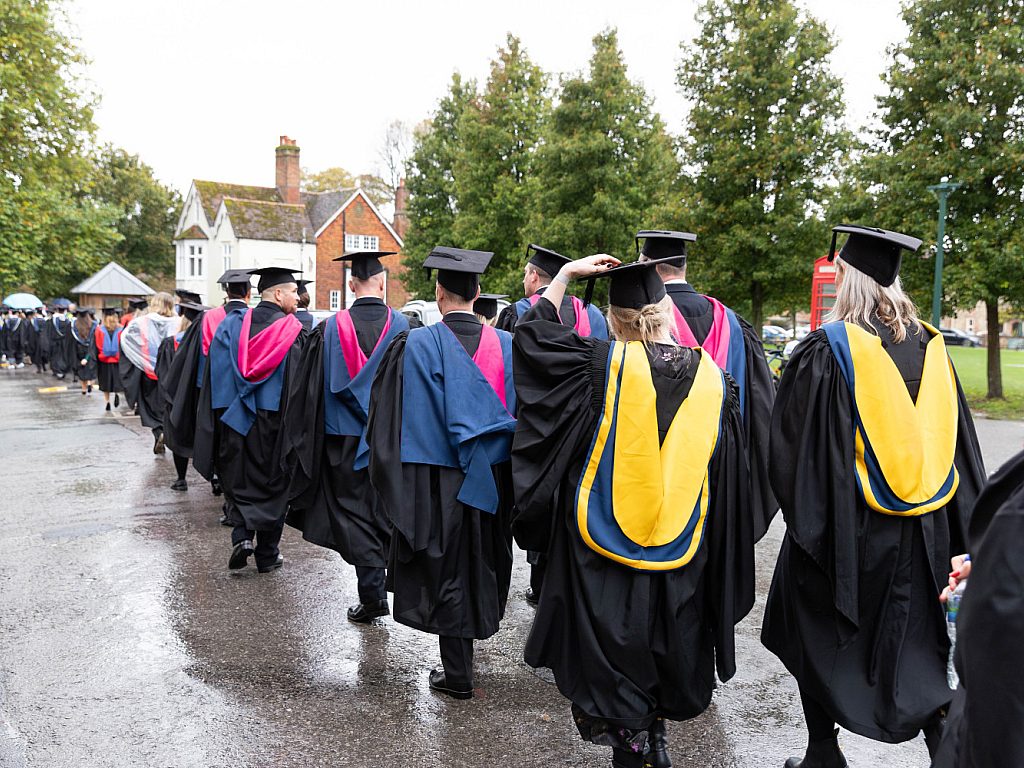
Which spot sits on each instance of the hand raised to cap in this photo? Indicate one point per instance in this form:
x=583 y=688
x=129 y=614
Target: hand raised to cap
x=591 y=265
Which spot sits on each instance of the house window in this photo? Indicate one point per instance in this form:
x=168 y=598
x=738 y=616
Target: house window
x=225 y=249
x=195 y=261
x=970 y=325
x=361 y=242
x=335 y=301
x=350 y=296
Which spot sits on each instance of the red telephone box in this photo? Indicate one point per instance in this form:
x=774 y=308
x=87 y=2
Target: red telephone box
x=823 y=290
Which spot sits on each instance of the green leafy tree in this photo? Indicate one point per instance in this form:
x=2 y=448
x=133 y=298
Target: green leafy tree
x=147 y=213
x=765 y=141
x=607 y=167
x=326 y=180
x=955 y=107
x=498 y=135
x=430 y=180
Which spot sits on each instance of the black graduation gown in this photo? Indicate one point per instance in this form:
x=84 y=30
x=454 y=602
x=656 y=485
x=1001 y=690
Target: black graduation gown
x=983 y=729
x=333 y=504
x=5 y=335
x=625 y=645
x=77 y=350
x=760 y=395
x=251 y=467
x=450 y=564
x=165 y=354
x=305 y=317
x=509 y=316
x=15 y=339
x=853 y=610
x=108 y=375
x=32 y=335
x=179 y=392
x=56 y=334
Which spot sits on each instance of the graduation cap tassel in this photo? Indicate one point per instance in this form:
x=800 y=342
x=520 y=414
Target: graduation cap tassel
x=589 y=294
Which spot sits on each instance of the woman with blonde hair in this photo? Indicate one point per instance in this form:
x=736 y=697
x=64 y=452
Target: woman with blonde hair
x=140 y=343
x=106 y=350
x=876 y=464
x=650 y=538
x=79 y=348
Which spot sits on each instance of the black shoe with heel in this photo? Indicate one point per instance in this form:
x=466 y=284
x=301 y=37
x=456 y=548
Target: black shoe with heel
x=824 y=753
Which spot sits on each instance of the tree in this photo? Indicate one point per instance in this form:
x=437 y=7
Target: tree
x=606 y=167
x=765 y=142
x=147 y=213
x=430 y=179
x=394 y=155
x=327 y=180
x=498 y=135
x=955 y=107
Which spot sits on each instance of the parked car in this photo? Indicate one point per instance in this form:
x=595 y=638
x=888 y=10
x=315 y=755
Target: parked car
x=802 y=331
x=775 y=333
x=954 y=337
x=428 y=313
x=319 y=315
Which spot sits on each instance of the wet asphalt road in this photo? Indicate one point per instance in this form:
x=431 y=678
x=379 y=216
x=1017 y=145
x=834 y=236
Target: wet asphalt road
x=125 y=641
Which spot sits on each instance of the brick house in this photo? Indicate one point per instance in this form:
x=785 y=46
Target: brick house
x=232 y=226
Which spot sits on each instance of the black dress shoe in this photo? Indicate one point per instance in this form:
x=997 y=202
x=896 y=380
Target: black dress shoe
x=531 y=597
x=225 y=522
x=179 y=485
x=108 y=407
x=656 y=755
x=215 y=486
x=623 y=758
x=364 y=613
x=117 y=400
x=824 y=753
x=158 y=444
x=240 y=555
x=440 y=684
x=273 y=566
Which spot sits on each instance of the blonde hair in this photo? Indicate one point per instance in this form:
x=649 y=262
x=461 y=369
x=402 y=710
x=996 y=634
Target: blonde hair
x=162 y=304
x=184 y=323
x=110 y=322
x=861 y=299
x=648 y=324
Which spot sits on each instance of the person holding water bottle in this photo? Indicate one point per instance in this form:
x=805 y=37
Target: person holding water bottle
x=984 y=727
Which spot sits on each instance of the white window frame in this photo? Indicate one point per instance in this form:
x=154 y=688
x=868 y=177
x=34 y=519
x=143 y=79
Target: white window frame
x=335 y=301
x=357 y=242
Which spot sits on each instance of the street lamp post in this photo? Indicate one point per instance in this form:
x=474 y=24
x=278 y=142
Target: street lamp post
x=941 y=191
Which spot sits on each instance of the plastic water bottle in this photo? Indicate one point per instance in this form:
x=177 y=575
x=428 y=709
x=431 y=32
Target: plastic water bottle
x=952 y=611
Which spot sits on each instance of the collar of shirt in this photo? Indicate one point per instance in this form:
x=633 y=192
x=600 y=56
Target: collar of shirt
x=676 y=282
x=368 y=300
x=460 y=314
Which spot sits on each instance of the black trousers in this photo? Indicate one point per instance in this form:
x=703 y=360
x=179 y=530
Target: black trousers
x=371 y=584
x=538 y=565
x=457 y=660
x=266 y=542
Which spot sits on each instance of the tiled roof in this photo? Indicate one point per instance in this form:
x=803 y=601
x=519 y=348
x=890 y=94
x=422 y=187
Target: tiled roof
x=320 y=206
x=256 y=220
x=195 y=232
x=113 y=280
x=212 y=192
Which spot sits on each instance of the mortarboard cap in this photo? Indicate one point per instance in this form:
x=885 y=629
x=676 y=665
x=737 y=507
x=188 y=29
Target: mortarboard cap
x=877 y=253
x=302 y=285
x=487 y=303
x=634 y=285
x=109 y=311
x=545 y=259
x=458 y=269
x=138 y=303
x=84 y=311
x=236 y=277
x=184 y=295
x=192 y=309
x=271 y=276
x=664 y=244
x=365 y=264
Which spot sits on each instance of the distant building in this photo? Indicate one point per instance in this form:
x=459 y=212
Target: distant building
x=112 y=286
x=1011 y=326
x=233 y=226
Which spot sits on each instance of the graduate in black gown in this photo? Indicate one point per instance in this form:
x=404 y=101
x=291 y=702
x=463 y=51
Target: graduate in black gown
x=649 y=569
x=189 y=312
x=106 y=349
x=56 y=331
x=736 y=348
x=486 y=307
x=15 y=339
x=35 y=328
x=983 y=728
x=184 y=396
x=140 y=348
x=253 y=359
x=875 y=461
x=78 y=348
x=542 y=265
x=439 y=432
x=332 y=500
x=302 y=313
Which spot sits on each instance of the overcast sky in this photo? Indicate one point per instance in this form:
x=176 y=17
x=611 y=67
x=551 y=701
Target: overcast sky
x=204 y=89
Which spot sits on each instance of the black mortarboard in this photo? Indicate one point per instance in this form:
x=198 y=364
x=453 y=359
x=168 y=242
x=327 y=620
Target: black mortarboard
x=365 y=264
x=634 y=285
x=271 y=276
x=665 y=244
x=458 y=269
x=109 y=311
x=138 y=303
x=184 y=295
x=236 y=277
x=302 y=285
x=487 y=303
x=83 y=310
x=877 y=253
x=192 y=309
x=545 y=259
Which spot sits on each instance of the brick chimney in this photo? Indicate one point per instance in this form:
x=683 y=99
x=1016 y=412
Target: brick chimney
x=401 y=220
x=288 y=174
